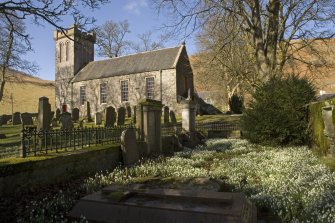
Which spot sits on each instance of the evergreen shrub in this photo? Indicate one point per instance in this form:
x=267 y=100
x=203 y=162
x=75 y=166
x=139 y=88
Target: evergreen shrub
x=277 y=115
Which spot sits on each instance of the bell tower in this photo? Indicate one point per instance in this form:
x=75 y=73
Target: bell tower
x=74 y=49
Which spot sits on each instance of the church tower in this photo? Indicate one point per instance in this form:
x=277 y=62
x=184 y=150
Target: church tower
x=74 y=49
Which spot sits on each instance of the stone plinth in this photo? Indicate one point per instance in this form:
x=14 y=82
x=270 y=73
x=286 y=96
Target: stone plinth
x=130 y=153
x=135 y=204
x=188 y=115
x=151 y=125
x=329 y=131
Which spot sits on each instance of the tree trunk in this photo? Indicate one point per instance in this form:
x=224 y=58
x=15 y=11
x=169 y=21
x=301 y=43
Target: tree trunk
x=262 y=64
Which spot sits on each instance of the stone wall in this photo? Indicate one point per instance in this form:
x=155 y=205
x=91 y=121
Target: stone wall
x=32 y=174
x=164 y=86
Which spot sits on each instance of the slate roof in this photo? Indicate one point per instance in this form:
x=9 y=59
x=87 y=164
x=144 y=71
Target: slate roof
x=136 y=63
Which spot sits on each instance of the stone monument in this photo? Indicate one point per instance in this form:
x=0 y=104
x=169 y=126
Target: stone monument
x=110 y=116
x=65 y=120
x=121 y=113
x=98 y=118
x=130 y=153
x=166 y=115
x=16 y=119
x=44 y=114
x=26 y=119
x=75 y=114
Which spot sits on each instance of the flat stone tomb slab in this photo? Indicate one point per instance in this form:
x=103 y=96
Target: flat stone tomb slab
x=114 y=204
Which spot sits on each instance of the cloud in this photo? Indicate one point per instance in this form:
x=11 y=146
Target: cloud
x=135 y=6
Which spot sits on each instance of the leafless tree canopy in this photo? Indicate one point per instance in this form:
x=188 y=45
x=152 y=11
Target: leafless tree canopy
x=270 y=24
x=146 y=42
x=111 y=38
x=14 y=40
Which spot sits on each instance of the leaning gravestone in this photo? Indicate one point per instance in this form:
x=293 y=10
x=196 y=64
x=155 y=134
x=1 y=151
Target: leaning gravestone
x=75 y=114
x=16 y=119
x=88 y=112
x=130 y=153
x=173 y=117
x=98 y=118
x=26 y=119
x=66 y=121
x=121 y=113
x=128 y=111
x=110 y=116
x=57 y=114
x=166 y=115
x=44 y=114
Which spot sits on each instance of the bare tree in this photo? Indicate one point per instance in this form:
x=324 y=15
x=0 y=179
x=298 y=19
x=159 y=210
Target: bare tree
x=272 y=25
x=111 y=38
x=13 y=35
x=146 y=42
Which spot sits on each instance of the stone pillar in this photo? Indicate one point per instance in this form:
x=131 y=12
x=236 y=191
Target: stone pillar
x=188 y=115
x=44 y=114
x=166 y=115
x=329 y=131
x=150 y=125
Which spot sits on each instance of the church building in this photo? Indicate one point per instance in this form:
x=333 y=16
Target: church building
x=164 y=75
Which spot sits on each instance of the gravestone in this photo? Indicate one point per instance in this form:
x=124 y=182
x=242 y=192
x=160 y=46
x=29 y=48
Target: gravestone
x=16 y=119
x=88 y=116
x=98 y=118
x=173 y=117
x=26 y=119
x=75 y=114
x=66 y=121
x=130 y=153
x=121 y=113
x=57 y=114
x=44 y=114
x=166 y=115
x=81 y=124
x=4 y=119
x=135 y=203
x=110 y=116
x=128 y=108
x=188 y=115
x=329 y=131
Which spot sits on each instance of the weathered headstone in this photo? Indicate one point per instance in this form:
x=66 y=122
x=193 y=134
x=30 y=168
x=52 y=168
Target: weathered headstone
x=130 y=153
x=166 y=115
x=98 y=118
x=57 y=114
x=173 y=117
x=26 y=119
x=16 y=119
x=88 y=116
x=188 y=115
x=121 y=113
x=44 y=114
x=66 y=121
x=75 y=114
x=4 y=119
x=110 y=116
x=128 y=111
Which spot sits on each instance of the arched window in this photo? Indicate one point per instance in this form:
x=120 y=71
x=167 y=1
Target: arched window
x=67 y=53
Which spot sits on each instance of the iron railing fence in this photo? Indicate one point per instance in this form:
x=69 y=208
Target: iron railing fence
x=201 y=126
x=34 y=142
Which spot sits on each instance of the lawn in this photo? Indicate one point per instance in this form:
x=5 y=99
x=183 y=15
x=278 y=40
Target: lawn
x=286 y=184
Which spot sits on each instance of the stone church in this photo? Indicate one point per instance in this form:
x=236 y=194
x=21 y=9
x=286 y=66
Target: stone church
x=163 y=75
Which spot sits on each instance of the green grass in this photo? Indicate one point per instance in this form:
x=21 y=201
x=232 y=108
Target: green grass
x=12 y=133
x=329 y=162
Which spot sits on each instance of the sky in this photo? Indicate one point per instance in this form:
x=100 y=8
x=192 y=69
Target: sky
x=139 y=13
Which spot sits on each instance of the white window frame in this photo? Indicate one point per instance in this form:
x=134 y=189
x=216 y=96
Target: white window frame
x=150 y=94
x=82 y=97
x=124 y=94
x=103 y=97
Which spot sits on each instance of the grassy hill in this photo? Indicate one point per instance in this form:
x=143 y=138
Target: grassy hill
x=26 y=91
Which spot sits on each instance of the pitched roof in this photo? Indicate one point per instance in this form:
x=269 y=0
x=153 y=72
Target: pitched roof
x=136 y=63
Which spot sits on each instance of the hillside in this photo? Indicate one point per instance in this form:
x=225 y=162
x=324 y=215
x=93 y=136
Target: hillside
x=26 y=91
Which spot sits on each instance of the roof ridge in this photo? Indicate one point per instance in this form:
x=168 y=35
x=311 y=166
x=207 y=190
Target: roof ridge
x=134 y=54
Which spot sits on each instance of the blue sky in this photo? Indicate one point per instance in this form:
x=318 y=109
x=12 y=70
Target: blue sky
x=139 y=13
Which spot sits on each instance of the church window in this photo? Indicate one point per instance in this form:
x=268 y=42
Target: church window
x=124 y=91
x=60 y=52
x=82 y=94
x=103 y=93
x=150 y=87
x=67 y=52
